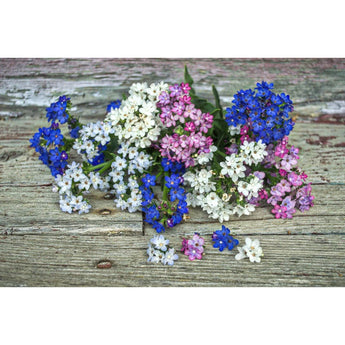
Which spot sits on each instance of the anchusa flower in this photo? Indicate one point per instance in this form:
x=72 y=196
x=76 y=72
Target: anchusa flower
x=50 y=143
x=170 y=211
x=263 y=114
x=159 y=251
x=222 y=239
x=194 y=247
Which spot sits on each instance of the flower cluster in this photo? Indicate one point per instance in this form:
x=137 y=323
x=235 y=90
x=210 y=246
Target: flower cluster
x=188 y=124
x=136 y=121
x=170 y=211
x=126 y=168
x=264 y=113
x=228 y=187
x=222 y=239
x=162 y=149
x=159 y=251
x=73 y=184
x=251 y=250
x=49 y=142
x=193 y=248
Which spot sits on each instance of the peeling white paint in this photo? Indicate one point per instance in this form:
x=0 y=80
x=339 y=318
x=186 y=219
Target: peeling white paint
x=335 y=107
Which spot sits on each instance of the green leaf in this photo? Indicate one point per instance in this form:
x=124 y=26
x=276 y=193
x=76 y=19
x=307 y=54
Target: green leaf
x=187 y=78
x=216 y=97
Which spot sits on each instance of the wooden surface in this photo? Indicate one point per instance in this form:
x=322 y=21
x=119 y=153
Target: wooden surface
x=41 y=246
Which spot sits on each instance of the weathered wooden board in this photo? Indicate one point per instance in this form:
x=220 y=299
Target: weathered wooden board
x=41 y=246
x=72 y=261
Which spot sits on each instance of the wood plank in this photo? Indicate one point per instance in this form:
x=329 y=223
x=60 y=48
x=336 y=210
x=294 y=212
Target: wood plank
x=28 y=85
x=303 y=260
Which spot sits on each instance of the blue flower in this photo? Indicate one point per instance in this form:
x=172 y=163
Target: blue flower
x=149 y=180
x=151 y=214
x=74 y=133
x=166 y=164
x=54 y=155
x=159 y=227
x=113 y=105
x=182 y=207
x=55 y=137
x=99 y=159
x=264 y=112
x=173 y=181
x=177 y=193
x=222 y=239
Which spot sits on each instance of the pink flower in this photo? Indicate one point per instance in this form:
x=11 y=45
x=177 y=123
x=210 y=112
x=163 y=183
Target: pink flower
x=282 y=172
x=244 y=138
x=178 y=108
x=279 y=211
x=189 y=127
x=281 y=151
x=244 y=130
x=185 y=87
x=263 y=194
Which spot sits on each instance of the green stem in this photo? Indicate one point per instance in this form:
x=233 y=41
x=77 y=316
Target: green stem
x=165 y=189
x=221 y=153
x=165 y=193
x=101 y=166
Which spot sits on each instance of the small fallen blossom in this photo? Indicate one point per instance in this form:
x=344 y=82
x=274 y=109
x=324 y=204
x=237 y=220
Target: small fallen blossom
x=222 y=239
x=193 y=248
x=251 y=249
x=159 y=251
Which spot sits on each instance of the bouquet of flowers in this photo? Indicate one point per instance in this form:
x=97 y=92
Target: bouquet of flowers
x=226 y=161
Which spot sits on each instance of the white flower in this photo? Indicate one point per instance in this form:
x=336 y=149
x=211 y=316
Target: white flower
x=120 y=203
x=213 y=200
x=242 y=187
x=234 y=130
x=65 y=205
x=132 y=152
x=77 y=175
x=150 y=252
x=65 y=184
x=119 y=163
x=160 y=242
x=251 y=249
x=170 y=257
x=241 y=255
x=117 y=175
x=84 y=184
x=84 y=207
x=76 y=202
x=96 y=180
x=120 y=188
x=233 y=166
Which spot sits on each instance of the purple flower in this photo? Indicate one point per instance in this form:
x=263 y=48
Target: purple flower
x=277 y=190
x=288 y=162
x=284 y=185
x=175 y=90
x=178 y=108
x=290 y=206
x=294 y=179
x=259 y=174
x=164 y=98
